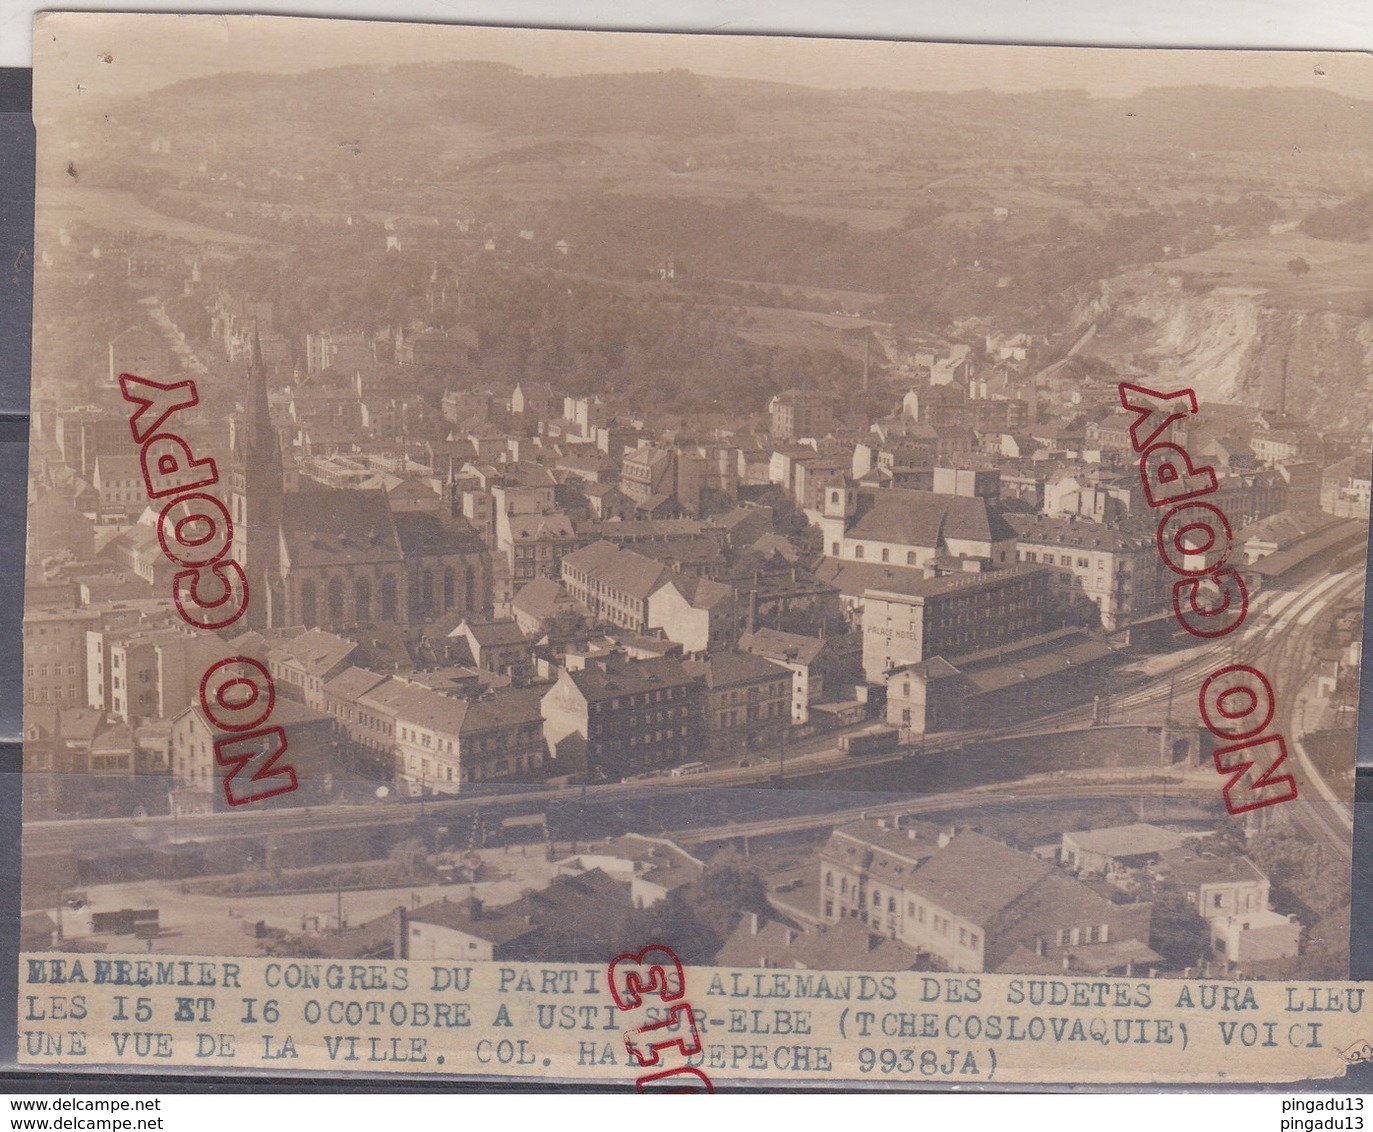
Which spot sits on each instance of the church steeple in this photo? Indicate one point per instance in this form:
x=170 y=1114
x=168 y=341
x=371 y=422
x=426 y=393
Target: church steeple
x=257 y=490
x=451 y=490
x=261 y=448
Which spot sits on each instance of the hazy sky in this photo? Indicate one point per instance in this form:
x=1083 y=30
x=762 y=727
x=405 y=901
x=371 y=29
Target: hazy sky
x=149 y=51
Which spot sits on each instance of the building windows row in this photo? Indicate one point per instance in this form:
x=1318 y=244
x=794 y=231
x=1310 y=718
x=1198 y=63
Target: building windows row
x=48 y=695
x=1075 y=937
x=57 y=670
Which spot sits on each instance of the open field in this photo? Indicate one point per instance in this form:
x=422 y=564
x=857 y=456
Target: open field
x=116 y=210
x=1341 y=275
x=784 y=327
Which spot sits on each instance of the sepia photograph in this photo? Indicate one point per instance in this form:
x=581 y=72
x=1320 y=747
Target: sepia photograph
x=844 y=508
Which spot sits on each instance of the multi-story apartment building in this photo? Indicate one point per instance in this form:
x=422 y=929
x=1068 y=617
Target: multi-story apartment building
x=804 y=657
x=952 y=616
x=532 y=399
x=362 y=704
x=697 y=613
x=443 y=741
x=613 y=584
x=812 y=478
x=647 y=471
x=497 y=645
x=55 y=655
x=628 y=716
x=664 y=481
x=949 y=406
x=584 y=415
x=640 y=594
x=798 y=413
x=746 y=700
x=535 y=545
x=119 y=482
x=1101 y=495
x=371 y=720
x=82 y=435
x=303 y=664
x=155 y=671
x=1119 y=572
x=309 y=738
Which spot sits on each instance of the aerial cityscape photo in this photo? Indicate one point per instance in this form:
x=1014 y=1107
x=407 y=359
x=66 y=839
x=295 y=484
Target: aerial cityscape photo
x=673 y=504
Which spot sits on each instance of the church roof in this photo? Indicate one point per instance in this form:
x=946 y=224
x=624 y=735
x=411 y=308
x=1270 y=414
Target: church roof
x=339 y=527
x=426 y=533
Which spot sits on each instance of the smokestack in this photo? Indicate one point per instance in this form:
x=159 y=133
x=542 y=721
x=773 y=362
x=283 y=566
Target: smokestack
x=1282 y=388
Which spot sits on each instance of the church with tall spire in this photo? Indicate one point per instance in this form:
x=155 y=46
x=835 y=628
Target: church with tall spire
x=256 y=490
x=340 y=558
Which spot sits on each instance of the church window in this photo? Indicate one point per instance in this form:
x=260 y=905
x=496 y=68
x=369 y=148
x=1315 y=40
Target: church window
x=426 y=590
x=470 y=589
x=448 y=588
x=335 y=601
x=308 y=610
x=388 y=598
x=362 y=599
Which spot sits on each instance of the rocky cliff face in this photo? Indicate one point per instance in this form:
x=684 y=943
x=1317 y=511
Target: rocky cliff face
x=1229 y=345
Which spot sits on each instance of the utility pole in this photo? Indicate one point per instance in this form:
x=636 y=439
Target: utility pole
x=790 y=655
x=781 y=764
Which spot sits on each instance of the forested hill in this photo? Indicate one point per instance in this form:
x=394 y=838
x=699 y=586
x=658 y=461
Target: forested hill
x=466 y=114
